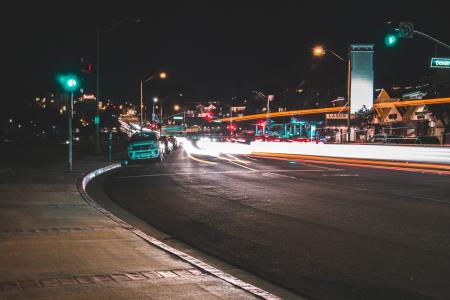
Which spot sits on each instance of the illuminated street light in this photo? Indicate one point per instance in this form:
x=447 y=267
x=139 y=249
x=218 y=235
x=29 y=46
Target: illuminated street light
x=176 y=107
x=162 y=75
x=318 y=51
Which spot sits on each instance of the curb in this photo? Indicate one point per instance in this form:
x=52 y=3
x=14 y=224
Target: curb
x=81 y=185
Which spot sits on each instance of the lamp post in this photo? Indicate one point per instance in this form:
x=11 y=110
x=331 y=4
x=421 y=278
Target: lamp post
x=155 y=99
x=161 y=109
x=161 y=75
x=97 y=98
x=320 y=51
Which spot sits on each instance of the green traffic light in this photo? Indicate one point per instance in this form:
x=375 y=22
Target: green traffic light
x=68 y=82
x=71 y=83
x=390 y=40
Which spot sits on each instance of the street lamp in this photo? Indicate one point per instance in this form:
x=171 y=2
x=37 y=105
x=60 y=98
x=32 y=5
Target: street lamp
x=161 y=75
x=161 y=108
x=319 y=51
x=97 y=98
x=155 y=99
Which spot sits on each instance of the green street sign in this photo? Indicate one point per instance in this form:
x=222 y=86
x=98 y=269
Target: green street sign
x=96 y=120
x=437 y=62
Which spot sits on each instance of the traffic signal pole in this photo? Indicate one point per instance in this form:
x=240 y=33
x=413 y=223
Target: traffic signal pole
x=349 y=82
x=436 y=41
x=69 y=131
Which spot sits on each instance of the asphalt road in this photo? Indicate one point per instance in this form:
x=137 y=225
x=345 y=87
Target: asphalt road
x=322 y=231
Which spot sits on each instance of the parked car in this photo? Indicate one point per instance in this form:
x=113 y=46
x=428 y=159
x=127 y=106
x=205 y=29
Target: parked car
x=386 y=138
x=144 y=146
x=166 y=145
x=428 y=140
x=173 y=140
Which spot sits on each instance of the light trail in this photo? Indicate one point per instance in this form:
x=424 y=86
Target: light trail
x=436 y=159
x=335 y=109
x=374 y=164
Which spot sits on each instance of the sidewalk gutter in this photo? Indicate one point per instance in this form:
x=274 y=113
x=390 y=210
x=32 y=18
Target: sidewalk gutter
x=82 y=183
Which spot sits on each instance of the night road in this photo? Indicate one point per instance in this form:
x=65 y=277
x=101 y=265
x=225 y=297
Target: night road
x=323 y=231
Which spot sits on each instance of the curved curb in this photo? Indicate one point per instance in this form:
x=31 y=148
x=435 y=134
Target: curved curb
x=81 y=185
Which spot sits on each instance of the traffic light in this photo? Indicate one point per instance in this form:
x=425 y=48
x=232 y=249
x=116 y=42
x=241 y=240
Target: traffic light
x=208 y=116
x=231 y=127
x=390 y=40
x=391 y=35
x=406 y=30
x=261 y=123
x=69 y=82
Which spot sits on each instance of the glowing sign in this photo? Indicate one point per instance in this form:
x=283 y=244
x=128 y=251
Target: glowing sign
x=361 y=77
x=443 y=63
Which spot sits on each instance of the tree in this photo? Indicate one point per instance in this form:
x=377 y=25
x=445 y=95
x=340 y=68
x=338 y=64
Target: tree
x=364 y=119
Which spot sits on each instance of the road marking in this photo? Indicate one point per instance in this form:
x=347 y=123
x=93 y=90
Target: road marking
x=226 y=172
x=238 y=160
x=237 y=164
x=341 y=175
x=280 y=175
x=251 y=158
x=201 y=160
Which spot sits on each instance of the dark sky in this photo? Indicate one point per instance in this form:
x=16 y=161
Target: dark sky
x=211 y=49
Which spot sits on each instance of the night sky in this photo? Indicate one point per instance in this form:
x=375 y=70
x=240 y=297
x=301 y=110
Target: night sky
x=210 y=49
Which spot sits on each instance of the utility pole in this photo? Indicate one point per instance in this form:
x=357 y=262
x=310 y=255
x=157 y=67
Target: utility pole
x=69 y=131
x=97 y=98
x=349 y=63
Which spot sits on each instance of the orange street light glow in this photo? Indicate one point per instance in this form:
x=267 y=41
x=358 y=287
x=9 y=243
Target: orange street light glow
x=318 y=51
x=163 y=75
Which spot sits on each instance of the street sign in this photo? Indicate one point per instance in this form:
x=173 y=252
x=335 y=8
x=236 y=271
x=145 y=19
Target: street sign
x=178 y=118
x=338 y=116
x=443 y=63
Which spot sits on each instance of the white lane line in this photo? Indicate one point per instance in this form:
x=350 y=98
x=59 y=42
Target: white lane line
x=223 y=172
x=237 y=164
x=182 y=173
x=280 y=175
x=238 y=160
x=201 y=160
x=341 y=175
x=251 y=158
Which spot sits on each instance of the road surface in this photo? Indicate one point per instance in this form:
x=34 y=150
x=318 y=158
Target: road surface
x=323 y=231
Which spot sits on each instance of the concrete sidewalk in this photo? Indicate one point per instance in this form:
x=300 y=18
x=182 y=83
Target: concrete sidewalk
x=54 y=245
